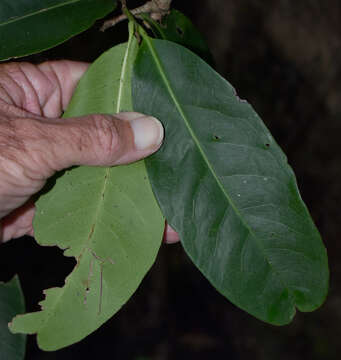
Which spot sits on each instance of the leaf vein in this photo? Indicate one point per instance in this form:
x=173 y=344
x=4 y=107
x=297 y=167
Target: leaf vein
x=196 y=141
x=37 y=12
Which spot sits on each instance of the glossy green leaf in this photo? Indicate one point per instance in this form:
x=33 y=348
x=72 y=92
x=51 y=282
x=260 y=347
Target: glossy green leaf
x=107 y=218
x=179 y=28
x=225 y=186
x=12 y=347
x=31 y=26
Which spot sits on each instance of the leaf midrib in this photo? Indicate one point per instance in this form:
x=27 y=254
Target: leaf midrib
x=123 y=75
x=196 y=141
x=37 y=12
x=117 y=110
x=194 y=137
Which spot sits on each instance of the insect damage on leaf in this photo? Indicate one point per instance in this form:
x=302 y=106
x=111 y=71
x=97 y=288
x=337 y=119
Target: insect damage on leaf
x=107 y=218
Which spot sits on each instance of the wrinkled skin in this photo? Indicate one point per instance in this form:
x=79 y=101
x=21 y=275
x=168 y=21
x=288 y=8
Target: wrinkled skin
x=35 y=142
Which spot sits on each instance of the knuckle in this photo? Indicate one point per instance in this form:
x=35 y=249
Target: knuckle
x=12 y=69
x=11 y=91
x=106 y=133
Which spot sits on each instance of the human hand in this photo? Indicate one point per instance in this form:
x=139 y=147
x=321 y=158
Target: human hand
x=35 y=142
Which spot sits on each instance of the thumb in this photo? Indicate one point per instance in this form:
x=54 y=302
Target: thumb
x=34 y=148
x=103 y=140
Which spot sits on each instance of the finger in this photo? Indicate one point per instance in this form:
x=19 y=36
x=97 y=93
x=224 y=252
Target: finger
x=95 y=140
x=44 y=89
x=18 y=223
x=104 y=140
x=65 y=75
x=170 y=235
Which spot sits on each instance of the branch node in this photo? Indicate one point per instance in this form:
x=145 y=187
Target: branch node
x=156 y=9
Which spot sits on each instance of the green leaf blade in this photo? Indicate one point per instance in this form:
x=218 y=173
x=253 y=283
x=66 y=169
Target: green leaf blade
x=178 y=28
x=107 y=218
x=28 y=27
x=11 y=303
x=225 y=186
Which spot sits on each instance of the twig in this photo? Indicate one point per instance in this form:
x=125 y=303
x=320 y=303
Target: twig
x=155 y=8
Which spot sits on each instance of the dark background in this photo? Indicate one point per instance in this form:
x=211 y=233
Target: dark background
x=284 y=57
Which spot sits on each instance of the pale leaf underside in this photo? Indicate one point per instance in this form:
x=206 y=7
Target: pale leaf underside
x=107 y=218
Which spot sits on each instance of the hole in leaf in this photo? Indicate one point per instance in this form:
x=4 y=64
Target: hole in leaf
x=216 y=137
x=179 y=31
x=267 y=145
